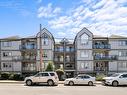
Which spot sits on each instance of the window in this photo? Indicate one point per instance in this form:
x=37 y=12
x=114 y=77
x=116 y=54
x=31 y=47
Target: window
x=61 y=58
x=7 y=54
x=6 y=44
x=44 y=54
x=45 y=40
x=84 y=53
x=84 y=65
x=38 y=75
x=7 y=65
x=80 y=77
x=123 y=65
x=123 y=53
x=67 y=58
x=123 y=43
x=84 y=39
x=52 y=74
x=86 y=77
x=45 y=74
x=124 y=76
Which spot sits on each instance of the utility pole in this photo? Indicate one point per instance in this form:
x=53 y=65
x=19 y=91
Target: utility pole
x=41 y=60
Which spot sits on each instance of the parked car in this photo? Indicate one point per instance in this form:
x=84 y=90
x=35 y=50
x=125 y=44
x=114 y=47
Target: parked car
x=80 y=80
x=50 y=78
x=116 y=79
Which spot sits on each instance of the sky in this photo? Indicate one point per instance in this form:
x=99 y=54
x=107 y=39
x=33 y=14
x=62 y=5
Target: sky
x=63 y=18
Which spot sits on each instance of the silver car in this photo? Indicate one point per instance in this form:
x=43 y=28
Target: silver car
x=80 y=79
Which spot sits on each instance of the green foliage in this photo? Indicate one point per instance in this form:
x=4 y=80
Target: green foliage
x=5 y=76
x=49 y=67
x=60 y=74
x=100 y=77
x=11 y=76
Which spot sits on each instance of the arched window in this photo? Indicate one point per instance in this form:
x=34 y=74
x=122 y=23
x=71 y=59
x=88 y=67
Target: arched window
x=84 y=39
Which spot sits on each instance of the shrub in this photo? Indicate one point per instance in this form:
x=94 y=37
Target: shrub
x=5 y=76
x=100 y=77
x=11 y=77
x=60 y=74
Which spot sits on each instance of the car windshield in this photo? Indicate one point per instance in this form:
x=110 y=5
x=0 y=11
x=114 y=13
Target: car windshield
x=115 y=75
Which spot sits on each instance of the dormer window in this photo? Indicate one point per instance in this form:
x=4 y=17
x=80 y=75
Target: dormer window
x=84 y=39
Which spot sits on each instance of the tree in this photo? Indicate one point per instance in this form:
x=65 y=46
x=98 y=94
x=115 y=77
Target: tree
x=60 y=74
x=49 y=66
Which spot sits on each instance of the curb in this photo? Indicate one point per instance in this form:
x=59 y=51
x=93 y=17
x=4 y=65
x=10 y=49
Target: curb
x=22 y=82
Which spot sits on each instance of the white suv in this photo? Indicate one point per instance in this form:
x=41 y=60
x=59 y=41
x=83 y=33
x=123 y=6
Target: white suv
x=50 y=78
x=116 y=79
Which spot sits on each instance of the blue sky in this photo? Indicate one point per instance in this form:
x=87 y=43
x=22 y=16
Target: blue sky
x=63 y=18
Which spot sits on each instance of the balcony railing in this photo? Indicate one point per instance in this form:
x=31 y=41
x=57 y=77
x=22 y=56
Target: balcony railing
x=69 y=50
x=111 y=57
x=59 y=50
x=108 y=46
x=58 y=60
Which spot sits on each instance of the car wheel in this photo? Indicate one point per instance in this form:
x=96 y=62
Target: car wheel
x=115 y=83
x=50 y=83
x=90 y=83
x=29 y=83
x=71 y=83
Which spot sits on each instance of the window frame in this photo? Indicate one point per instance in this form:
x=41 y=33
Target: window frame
x=7 y=54
x=82 y=41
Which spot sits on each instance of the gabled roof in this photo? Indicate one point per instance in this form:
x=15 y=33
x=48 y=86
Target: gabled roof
x=11 y=38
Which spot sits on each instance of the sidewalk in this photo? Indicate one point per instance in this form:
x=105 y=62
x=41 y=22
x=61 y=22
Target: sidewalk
x=21 y=82
x=11 y=81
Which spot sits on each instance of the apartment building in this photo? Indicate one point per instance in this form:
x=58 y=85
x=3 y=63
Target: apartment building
x=87 y=53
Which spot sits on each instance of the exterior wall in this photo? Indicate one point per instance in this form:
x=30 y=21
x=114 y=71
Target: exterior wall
x=90 y=57
x=84 y=63
x=115 y=43
x=113 y=66
x=116 y=48
x=16 y=67
x=49 y=48
x=13 y=66
x=85 y=66
x=14 y=45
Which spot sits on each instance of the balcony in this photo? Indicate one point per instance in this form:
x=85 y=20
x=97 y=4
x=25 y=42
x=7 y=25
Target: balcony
x=111 y=57
x=59 y=50
x=27 y=47
x=69 y=50
x=58 y=60
x=69 y=60
x=108 y=46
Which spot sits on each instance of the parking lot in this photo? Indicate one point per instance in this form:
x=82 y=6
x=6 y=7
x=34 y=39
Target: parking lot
x=21 y=89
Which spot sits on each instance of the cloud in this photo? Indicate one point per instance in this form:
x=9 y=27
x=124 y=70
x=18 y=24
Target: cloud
x=104 y=17
x=48 y=11
x=39 y=1
x=99 y=4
